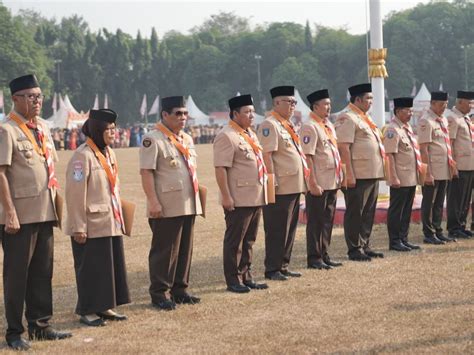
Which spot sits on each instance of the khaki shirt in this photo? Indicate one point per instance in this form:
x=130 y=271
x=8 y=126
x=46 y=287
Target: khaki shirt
x=232 y=151
x=397 y=142
x=317 y=144
x=27 y=174
x=429 y=131
x=287 y=164
x=460 y=132
x=88 y=196
x=366 y=159
x=173 y=183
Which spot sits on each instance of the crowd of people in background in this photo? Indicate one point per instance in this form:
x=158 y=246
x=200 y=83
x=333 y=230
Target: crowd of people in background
x=130 y=136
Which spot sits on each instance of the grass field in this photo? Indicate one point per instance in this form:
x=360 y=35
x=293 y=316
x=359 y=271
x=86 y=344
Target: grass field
x=420 y=302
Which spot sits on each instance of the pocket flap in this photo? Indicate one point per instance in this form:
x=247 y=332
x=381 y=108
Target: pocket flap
x=246 y=182
x=24 y=192
x=287 y=172
x=172 y=186
x=25 y=145
x=97 y=208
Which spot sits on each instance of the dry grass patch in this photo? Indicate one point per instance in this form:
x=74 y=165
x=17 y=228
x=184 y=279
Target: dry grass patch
x=420 y=302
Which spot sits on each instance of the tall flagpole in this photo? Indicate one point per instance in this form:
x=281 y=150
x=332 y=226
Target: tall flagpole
x=377 y=71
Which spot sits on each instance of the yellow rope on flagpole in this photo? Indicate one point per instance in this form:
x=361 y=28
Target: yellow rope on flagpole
x=377 y=58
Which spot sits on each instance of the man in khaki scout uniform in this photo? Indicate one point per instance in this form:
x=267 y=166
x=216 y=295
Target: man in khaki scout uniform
x=27 y=215
x=405 y=165
x=435 y=148
x=461 y=133
x=360 y=145
x=285 y=159
x=326 y=175
x=241 y=177
x=168 y=169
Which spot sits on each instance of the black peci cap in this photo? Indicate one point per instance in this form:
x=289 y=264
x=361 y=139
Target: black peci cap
x=23 y=82
x=239 y=101
x=439 y=96
x=282 y=91
x=317 y=95
x=104 y=115
x=402 y=102
x=170 y=102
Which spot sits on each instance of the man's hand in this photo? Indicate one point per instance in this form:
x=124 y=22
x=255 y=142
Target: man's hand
x=394 y=182
x=12 y=225
x=228 y=203
x=351 y=181
x=429 y=180
x=315 y=190
x=155 y=209
x=80 y=237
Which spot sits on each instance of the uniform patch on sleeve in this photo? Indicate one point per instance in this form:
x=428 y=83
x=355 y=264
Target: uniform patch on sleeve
x=266 y=132
x=390 y=133
x=306 y=139
x=146 y=142
x=78 y=170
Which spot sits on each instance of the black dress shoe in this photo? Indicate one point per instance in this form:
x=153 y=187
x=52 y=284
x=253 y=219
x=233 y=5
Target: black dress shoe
x=186 y=299
x=165 y=305
x=19 y=344
x=255 y=286
x=358 y=256
x=467 y=232
x=444 y=238
x=99 y=322
x=373 y=254
x=47 y=333
x=399 y=247
x=276 y=276
x=289 y=273
x=462 y=234
x=332 y=263
x=319 y=265
x=432 y=240
x=238 y=288
x=411 y=246
x=113 y=317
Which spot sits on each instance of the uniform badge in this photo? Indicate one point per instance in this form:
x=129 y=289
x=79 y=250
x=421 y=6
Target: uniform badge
x=146 y=142
x=78 y=171
x=28 y=154
x=306 y=139
x=249 y=156
x=266 y=132
x=390 y=134
x=288 y=143
x=174 y=163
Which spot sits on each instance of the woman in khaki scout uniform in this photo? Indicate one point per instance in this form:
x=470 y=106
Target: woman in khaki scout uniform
x=242 y=177
x=461 y=133
x=324 y=162
x=169 y=179
x=361 y=148
x=405 y=168
x=27 y=215
x=435 y=148
x=95 y=223
x=284 y=158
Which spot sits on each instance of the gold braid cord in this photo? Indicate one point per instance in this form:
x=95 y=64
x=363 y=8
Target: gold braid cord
x=377 y=63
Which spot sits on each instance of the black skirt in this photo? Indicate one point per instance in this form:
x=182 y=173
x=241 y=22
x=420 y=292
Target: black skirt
x=101 y=274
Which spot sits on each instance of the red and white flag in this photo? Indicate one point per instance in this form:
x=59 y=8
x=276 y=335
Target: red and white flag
x=413 y=91
x=106 y=101
x=143 y=106
x=96 y=102
x=54 y=104
x=2 y=104
x=154 y=106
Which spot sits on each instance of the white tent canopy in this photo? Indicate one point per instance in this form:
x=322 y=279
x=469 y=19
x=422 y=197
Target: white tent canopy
x=423 y=95
x=198 y=117
x=66 y=116
x=301 y=106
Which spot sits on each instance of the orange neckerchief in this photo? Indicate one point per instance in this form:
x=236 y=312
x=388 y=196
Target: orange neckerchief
x=171 y=136
x=22 y=124
x=328 y=131
x=288 y=128
x=366 y=118
x=255 y=146
x=111 y=175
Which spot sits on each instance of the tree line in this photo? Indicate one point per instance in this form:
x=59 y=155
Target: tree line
x=431 y=43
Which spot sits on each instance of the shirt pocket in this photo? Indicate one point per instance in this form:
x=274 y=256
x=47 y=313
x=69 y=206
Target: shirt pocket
x=246 y=182
x=172 y=186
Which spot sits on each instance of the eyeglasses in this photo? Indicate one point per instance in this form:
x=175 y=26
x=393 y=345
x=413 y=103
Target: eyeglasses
x=291 y=102
x=32 y=97
x=181 y=113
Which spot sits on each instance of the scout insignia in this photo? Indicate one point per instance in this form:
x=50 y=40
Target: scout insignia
x=78 y=171
x=249 y=156
x=306 y=139
x=288 y=143
x=390 y=134
x=146 y=142
x=266 y=132
x=174 y=163
x=28 y=154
